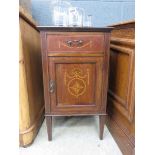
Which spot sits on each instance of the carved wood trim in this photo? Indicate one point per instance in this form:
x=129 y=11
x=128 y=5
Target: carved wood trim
x=116 y=97
x=123 y=41
x=121 y=49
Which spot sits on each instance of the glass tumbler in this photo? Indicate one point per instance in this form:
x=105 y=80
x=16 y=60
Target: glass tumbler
x=60 y=12
x=88 y=21
x=75 y=15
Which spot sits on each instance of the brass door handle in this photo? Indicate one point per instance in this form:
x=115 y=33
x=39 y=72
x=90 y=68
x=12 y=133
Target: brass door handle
x=52 y=86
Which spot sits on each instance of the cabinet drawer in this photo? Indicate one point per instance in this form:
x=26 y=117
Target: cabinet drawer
x=75 y=42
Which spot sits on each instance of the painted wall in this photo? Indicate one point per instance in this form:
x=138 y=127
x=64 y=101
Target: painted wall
x=26 y=4
x=104 y=12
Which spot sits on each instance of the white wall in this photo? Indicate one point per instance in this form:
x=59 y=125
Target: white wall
x=104 y=12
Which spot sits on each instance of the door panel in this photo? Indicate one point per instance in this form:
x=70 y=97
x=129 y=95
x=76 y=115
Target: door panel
x=77 y=83
x=75 y=88
x=121 y=82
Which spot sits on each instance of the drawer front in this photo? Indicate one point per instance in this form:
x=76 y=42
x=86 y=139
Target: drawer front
x=76 y=85
x=75 y=42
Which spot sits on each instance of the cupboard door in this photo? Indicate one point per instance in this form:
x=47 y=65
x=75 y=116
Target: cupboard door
x=75 y=84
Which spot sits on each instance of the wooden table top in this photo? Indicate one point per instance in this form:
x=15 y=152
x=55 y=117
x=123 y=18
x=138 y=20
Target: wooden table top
x=75 y=29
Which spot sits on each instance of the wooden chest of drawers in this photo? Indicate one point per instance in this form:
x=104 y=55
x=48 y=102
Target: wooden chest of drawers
x=75 y=72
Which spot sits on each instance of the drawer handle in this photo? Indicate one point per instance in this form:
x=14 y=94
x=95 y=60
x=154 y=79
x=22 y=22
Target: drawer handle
x=69 y=43
x=52 y=86
x=77 y=43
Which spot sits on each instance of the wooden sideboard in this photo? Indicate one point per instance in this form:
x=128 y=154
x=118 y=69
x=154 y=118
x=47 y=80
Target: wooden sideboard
x=121 y=101
x=75 y=72
x=31 y=101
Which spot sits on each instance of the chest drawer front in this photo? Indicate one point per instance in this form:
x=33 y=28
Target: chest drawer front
x=75 y=42
x=77 y=85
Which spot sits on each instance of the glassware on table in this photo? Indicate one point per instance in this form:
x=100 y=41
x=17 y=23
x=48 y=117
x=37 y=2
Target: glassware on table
x=75 y=16
x=88 y=21
x=60 y=12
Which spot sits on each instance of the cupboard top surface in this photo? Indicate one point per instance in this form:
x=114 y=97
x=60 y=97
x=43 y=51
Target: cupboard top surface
x=75 y=29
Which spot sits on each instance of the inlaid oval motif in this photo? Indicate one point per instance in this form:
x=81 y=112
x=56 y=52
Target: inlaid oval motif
x=76 y=81
x=76 y=87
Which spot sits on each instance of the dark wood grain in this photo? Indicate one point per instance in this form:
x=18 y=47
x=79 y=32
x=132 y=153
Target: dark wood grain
x=78 y=54
x=62 y=100
x=124 y=25
x=89 y=42
x=75 y=78
x=121 y=91
x=124 y=30
x=101 y=122
x=124 y=143
x=45 y=72
x=49 y=127
x=75 y=29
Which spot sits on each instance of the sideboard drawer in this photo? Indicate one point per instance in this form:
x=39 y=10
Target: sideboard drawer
x=75 y=42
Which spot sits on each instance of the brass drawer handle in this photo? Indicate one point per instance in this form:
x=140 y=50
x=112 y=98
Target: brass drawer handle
x=69 y=43
x=52 y=86
x=77 y=43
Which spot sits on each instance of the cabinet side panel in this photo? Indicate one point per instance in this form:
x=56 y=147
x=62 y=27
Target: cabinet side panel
x=34 y=84
x=121 y=102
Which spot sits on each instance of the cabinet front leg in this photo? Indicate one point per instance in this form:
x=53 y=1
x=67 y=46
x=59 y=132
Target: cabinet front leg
x=49 y=127
x=101 y=124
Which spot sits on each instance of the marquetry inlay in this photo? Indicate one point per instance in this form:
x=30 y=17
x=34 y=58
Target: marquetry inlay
x=88 y=44
x=76 y=81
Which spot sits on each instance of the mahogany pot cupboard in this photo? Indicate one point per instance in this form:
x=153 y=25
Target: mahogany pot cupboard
x=75 y=72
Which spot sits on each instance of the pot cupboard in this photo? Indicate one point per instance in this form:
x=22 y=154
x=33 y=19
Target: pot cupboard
x=75 y=72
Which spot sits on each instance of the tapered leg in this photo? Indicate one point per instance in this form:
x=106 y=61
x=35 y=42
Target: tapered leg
x=101 y=123
x=49 y=127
